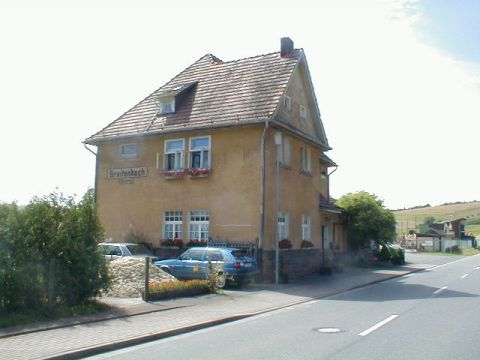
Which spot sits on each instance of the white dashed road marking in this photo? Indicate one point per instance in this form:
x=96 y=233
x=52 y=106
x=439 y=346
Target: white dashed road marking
x=376 y=326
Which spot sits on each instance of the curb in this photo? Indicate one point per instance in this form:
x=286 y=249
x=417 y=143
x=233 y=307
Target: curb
x=94 y=350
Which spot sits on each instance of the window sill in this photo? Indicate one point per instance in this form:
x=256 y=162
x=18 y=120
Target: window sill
x=306 y=173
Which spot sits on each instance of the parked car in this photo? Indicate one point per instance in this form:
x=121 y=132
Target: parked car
x=397 y=253
x=113 y=251
x=233 y=265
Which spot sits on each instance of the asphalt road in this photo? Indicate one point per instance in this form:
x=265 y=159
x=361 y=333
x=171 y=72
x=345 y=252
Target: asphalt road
x=432 y=314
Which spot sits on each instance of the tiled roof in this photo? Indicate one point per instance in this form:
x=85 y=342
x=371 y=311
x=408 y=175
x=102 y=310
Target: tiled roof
x=326 y=160
x=328 y=205
x=226 y=93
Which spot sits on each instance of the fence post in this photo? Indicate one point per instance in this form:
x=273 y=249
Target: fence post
x=51 y=283
x=147 y=279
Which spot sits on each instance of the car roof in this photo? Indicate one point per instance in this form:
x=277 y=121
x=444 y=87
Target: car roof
x=212 y=248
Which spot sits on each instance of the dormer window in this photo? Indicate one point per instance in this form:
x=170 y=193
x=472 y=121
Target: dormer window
x=167 y=105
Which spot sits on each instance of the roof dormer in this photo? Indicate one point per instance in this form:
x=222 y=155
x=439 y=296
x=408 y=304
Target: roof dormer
x=170 y=99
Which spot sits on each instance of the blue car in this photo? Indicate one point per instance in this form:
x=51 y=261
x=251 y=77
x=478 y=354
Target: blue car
x=232 y=265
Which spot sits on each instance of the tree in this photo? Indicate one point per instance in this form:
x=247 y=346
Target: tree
x=368 y=219
x=429 y=220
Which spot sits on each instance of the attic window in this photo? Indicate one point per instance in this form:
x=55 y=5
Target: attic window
x=167 y=106
x=287 y=102
x=303 y=112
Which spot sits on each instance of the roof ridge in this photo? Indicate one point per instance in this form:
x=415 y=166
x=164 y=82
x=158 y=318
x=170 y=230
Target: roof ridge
x=257 y=56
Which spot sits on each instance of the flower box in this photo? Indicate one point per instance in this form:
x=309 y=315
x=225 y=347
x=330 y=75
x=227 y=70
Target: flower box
x=178 y=243
x=173 y=174
x=285 y=244
x=198 y=172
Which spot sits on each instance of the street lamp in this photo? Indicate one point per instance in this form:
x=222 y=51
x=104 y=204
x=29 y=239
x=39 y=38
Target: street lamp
x=278 y=149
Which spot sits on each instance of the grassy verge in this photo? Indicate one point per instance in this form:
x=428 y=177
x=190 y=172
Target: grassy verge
x=31 y=316
x=462 y=252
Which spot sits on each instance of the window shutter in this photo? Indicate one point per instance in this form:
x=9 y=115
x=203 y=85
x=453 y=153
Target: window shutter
x=159 y=161
x=309 y=160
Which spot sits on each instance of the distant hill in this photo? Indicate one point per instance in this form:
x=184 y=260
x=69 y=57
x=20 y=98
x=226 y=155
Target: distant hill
x=412 y=218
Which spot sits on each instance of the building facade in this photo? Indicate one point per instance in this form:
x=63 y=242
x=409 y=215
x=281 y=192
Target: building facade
x=197 y=159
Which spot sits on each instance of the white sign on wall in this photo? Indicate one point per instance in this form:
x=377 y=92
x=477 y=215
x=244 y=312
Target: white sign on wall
x=127 y=173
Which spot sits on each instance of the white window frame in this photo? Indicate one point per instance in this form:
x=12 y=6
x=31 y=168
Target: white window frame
x=303 y=112
x=287 y=102
x=199 y=225
x=286 y=151
x=128 y=155
x=202 y=150
x=282 y=225
x=180 y=164
x=306 y=159
x=306 y=227
x=166 y=106
x=172 y=225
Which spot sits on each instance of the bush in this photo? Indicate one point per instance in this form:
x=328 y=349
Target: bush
x=49 y=253
x=285 y=244
x=172 y=289
x=306 y=244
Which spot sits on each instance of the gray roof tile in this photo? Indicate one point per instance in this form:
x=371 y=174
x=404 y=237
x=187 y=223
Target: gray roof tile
x=226 y=93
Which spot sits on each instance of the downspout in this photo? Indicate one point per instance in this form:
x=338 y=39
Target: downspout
x=96 y=172
x=328 y=182
x=262 y=186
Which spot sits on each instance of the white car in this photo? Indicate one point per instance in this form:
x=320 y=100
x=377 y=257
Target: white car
x=113 y=251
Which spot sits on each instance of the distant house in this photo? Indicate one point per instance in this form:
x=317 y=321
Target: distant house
x=195 y=162
x=454 y=228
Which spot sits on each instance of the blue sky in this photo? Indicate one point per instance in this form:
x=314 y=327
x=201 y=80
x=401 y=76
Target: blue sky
x=453 y=26
x=398 y=83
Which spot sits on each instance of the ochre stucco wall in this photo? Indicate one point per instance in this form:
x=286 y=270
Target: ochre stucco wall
x=231 y=192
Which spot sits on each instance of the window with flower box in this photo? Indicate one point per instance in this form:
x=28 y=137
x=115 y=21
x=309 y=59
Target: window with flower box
x=173 y=225
x=200 y=152
x=174 y=150
x=199 y=225
x=282 y=226
x=306 y=227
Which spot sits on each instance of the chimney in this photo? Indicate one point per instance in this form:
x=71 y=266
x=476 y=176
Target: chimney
x=286 y=46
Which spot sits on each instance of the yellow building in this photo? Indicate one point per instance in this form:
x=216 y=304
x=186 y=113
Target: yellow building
x=196 y=160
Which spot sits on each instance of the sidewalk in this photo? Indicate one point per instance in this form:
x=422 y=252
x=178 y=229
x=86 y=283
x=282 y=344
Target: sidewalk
x=133 y=321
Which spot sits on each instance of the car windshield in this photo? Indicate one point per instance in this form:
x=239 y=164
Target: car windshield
x=138 y=249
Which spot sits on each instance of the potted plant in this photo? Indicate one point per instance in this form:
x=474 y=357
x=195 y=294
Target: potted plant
x=285 y=244
x=306 y=244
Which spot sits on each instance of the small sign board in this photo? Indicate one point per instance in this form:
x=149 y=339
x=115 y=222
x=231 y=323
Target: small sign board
x=428 y=242
x=127 y=173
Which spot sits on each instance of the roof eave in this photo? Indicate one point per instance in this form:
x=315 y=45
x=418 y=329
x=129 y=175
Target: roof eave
x=170 y=130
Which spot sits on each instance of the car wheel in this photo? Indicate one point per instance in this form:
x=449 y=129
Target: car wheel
x=221 y=280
